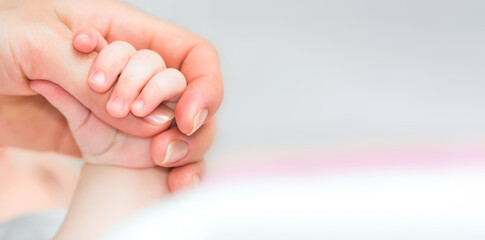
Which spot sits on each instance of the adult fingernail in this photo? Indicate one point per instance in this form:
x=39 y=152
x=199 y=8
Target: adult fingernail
x=196 y=181
x=99 y=78
x=117 y=104
x=199 y=120
x=176 y=151
x=159 y=118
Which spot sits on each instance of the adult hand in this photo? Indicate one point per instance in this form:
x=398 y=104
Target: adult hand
x=37 y=45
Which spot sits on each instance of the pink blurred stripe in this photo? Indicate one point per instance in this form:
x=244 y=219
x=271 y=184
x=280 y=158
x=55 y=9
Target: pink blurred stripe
x=317 y=164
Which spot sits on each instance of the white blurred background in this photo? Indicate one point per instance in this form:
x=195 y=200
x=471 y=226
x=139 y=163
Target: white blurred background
x=322 y=74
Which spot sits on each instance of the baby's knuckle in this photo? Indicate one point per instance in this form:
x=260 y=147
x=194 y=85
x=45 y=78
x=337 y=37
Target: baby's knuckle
x=128 y=76
x=158 y=86
x=147 y=52
x=105 y=61
x=123 y=44
x=150 y=54
x=176 y=75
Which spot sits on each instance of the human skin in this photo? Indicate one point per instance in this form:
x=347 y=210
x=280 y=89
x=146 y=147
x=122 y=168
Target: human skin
x=41 y=181
x=98 y=142
x=106 y=195
x=43 y=50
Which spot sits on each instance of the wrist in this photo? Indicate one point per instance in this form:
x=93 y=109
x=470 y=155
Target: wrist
x=106 y=195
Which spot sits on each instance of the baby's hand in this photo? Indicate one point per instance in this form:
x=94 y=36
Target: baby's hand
x=99 y=142
x=182 y=147
x=142 y=79
x=143 y=84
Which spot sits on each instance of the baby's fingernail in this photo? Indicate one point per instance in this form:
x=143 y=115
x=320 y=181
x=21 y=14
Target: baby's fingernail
x=176 y=151
x=117 y=104
x=82 y=37
x=199 y=120
x=159 y=118
x=138 y=104
x=99 y=78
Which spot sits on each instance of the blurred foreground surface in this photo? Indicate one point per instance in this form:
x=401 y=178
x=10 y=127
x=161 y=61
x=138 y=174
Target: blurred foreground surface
x=392 y=194
x=389 y=195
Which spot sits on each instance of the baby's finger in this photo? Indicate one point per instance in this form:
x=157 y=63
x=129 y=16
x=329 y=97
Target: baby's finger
x=82 y=123
x=89 y=39
x=186 y=177
x=173 y=148
x=109 y=64
x=140 y=69
x=166 y=85
x=70 y=71
x=74 y=112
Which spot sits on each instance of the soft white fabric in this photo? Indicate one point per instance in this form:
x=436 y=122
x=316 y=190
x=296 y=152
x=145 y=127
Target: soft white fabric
x=440 y=203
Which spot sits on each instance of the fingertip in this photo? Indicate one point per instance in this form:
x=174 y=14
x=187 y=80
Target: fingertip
x=161 y=117
x=116 y=107
x=35 y=85
x=84 y=42
x=188 y=123
x=197 y=105
x=199 y=119
x=183 y=119
x=137 y=107
x=44 y=88
x=140 y=108
x=88 y=40
x=185 y=177
x=176 y=152
x=173 y=148
x=98 y=81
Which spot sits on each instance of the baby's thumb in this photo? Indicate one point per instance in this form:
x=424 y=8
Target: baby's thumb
x=74 y=112
x=88 y=39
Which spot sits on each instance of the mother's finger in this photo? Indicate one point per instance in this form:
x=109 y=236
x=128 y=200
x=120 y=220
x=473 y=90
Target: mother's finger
x=186 y=177
x=204 y=91
x=180 y=49
x=173 y=148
